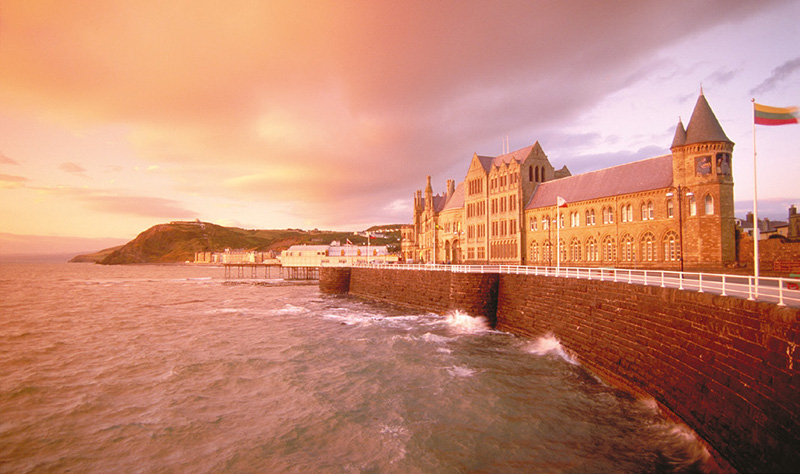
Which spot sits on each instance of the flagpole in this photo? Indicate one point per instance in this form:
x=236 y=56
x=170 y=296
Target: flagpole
x=755 y=204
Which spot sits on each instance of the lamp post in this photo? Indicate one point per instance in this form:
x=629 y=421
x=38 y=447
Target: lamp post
x=681 y=191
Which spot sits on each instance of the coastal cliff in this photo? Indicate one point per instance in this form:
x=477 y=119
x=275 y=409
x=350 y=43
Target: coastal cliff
x=177 y=242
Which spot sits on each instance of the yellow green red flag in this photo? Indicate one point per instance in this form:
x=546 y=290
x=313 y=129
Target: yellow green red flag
x=765 y=115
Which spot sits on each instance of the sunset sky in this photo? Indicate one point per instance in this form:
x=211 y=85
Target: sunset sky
x=116 y=116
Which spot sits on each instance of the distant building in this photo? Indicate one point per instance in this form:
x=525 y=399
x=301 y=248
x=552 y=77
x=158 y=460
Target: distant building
x=768 y=228
x=335 y=255
x=661 y=212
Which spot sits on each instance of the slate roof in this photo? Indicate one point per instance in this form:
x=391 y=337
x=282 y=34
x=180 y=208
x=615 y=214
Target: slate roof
x=644 y=175
x=704 y=126
x=456 y=201
x=680 y=135
x=486 y=162
x=518 y=156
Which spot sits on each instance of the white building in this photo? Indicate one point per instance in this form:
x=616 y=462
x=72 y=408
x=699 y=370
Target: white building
x=335 y=255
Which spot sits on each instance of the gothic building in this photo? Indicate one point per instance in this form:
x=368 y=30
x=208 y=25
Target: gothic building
x=673 y=211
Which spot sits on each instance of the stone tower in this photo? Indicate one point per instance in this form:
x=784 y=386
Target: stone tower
x=701 y=163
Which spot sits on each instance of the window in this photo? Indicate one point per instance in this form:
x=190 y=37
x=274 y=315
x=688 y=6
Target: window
x=624 y=215
x=590 y=217
x=562 y=250
x=530 y=174
x=591 y=249
x=626 y=248
x=670 y=209
x=574 y=219
x=648 y=249
x=545 y=222
x=648 y=211
x=547 y=251
x=608 y=215
x=709 y=205
x=630 y=213
x=561 y=220
x=575 y=249
x=692 y=206
x=534 y=252
x=534 y=224
x=671 y=250
x=609 y=249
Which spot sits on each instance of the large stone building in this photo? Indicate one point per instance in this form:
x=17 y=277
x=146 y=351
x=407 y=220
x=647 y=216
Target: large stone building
x=671 y=211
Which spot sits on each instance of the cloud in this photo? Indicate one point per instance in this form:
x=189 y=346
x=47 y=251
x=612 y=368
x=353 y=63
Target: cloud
x=778 y=75
x=331 y=108
x=73 y=168
x=4 y=160
x=11 y=181
x=142 y=206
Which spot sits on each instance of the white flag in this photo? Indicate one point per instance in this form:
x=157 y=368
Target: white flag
x=561 y=202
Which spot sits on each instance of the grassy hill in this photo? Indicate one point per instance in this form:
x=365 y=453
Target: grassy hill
x=178 y=241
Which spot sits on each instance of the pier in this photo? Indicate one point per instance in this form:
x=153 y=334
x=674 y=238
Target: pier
x=243 y=271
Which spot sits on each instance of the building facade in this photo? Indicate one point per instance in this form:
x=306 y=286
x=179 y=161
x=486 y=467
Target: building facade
x=673 y=211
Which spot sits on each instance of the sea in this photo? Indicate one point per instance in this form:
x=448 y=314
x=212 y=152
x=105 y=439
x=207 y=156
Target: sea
x=171 y=368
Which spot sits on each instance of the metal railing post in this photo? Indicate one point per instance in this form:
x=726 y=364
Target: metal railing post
x=723 y=286
x=700 y=282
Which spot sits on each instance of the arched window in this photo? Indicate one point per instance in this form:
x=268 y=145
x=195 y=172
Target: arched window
x=537 y=174
x=534 y=252
x=670 y=209
x=709 y=205
x=650 y=210
x=626 y=248
x=575 y=249
x=561 y=220
x=534 y=224
x=530 y=174
x=545 y=222
x=624 y=214
x=547 y=252
x=671 y=250
x=644 y=211
x=630 y=212
x=591 y=250
x=609 y=249
x=692 y=206
x=648 y=248
x=562 y=250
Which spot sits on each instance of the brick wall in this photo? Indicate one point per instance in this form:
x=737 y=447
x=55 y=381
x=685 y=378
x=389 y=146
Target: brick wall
x=729 y=368
x=769 y=251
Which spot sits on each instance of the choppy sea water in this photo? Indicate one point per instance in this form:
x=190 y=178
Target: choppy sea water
x=169 y=369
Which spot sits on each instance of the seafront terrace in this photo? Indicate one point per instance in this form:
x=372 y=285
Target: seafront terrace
x=780 y=291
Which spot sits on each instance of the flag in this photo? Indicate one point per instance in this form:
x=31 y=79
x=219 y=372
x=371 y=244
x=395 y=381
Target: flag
x=765 y=115
x=348 y=242
x=561 y=202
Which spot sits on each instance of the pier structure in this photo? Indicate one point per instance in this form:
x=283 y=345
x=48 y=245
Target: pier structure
x=248 y=270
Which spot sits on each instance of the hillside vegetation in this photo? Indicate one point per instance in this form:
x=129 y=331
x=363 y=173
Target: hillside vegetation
x=178 y=241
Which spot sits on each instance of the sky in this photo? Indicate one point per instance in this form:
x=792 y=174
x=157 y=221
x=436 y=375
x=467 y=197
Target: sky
x=119 y=115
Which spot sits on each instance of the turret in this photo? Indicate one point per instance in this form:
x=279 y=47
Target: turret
x=428 y=194
x=451 y=189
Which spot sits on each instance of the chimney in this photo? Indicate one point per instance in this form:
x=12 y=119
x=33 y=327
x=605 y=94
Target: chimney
x=451 y=188
x=792 y=211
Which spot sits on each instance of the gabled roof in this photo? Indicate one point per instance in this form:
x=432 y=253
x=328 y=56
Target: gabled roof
x=456 y=201
x=519 y=155
x=439 y=200
x=644 y=175
x=704 y=126
x=485 y=161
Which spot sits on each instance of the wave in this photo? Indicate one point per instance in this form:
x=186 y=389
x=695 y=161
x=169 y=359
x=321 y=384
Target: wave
x=460 y=371
x=549 y=345
x=464 y=323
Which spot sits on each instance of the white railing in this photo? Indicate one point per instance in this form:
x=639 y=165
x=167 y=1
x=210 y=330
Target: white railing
x=782 y=291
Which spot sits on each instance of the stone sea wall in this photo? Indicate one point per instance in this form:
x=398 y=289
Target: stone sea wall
x=726 y=367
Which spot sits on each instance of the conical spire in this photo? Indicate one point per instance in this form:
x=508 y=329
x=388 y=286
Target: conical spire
x=680 y=135
x=704 y=126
